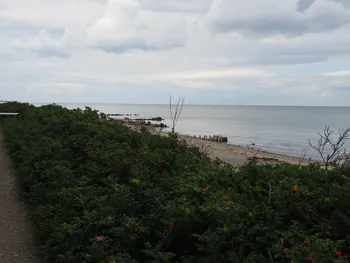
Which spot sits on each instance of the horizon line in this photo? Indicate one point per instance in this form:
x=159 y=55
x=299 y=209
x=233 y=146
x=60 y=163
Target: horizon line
x=220 y=105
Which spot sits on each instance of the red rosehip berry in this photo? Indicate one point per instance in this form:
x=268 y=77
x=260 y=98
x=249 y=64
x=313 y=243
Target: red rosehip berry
x=100 y=238
x=171 y=225
x=166 y=230
x=205 y=190
x=327 y=233
x=309 y=259
x=226 y=198
x=306 y=242
x=296 y=190
x=337 y=254
x=286 y=250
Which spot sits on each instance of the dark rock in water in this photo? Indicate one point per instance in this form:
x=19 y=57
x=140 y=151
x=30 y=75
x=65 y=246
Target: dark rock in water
x=253 y=144
x=161 y=125
x=148 y=123
x=157 y=119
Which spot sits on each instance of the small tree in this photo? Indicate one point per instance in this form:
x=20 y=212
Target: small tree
x=332 y=151
x=175 y=111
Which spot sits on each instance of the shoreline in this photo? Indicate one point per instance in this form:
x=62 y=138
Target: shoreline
x=233 y=154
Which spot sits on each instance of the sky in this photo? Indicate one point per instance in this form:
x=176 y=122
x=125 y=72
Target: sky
x=230 y=52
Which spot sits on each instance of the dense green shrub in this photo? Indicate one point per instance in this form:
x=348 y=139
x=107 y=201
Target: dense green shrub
x=100 y=192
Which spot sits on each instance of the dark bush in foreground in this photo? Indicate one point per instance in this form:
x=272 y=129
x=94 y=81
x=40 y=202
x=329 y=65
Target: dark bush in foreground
x=100 y=192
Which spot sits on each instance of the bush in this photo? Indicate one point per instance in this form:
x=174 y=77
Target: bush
x=100 y=192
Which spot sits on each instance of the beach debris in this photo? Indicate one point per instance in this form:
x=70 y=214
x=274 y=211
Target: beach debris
x=266 y=159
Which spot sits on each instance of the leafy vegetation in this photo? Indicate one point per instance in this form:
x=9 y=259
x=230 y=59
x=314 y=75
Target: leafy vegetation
x=100 y=192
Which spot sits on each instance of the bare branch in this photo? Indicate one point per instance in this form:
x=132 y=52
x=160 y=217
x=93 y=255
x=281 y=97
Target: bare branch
x=175 y=113
x=331 y=151
x=257 y=152
x=302 y=159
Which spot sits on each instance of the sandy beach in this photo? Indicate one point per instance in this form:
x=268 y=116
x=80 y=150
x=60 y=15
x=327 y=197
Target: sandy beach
x=234 y=154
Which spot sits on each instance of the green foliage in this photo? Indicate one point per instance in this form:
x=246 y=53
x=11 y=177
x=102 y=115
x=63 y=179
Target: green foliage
x=100 y=192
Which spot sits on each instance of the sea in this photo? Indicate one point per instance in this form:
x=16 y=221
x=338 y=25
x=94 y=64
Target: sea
x=278 y=129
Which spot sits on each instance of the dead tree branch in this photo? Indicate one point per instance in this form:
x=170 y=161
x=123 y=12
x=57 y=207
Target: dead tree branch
x=332 y=151
x=175 y=111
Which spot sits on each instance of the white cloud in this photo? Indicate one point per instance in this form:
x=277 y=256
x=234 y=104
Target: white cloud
x=126 y=26
x=326 y=94
x=67 y=85
x=43 y=45
x=339 y=73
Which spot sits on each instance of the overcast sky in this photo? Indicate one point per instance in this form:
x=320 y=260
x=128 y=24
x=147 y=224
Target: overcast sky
x=265 y=52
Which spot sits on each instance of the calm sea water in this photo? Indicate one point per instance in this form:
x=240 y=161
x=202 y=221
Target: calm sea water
x=275 y=128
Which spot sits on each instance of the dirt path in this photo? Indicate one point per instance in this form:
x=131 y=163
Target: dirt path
x=16 y=239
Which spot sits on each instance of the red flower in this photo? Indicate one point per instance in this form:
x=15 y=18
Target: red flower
x=100 y=238
x=309 y=259
x=205 y=190
x=226 y=198
x=337 y=254
x=166 y=230
x=171 y=225
x=286 y=250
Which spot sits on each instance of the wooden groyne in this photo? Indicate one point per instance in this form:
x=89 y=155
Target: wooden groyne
x=144 y=122
x=213 y=138
x=121 y=114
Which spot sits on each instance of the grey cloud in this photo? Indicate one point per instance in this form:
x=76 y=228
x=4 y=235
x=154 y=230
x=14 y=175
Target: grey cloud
x=47 y=52
x=132 y=45
x=303 y=5
x=288 y=26
x=295 y=59
x=177 y=6
x=345 y=3
x=121 y=48
x=283 y=21
x=342 y=88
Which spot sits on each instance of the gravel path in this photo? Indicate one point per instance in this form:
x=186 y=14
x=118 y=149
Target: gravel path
x=16 y=240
